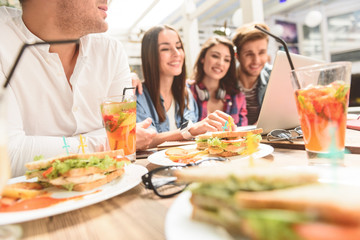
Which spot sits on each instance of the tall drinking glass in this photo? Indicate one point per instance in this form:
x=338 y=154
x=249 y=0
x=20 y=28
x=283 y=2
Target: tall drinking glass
x=119 y=117
x=322 y=97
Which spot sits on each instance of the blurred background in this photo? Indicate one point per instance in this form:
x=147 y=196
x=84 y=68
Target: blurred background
x=323 y=29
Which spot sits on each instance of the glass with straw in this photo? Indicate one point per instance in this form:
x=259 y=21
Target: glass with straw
x=322 y=97
x=119 y=118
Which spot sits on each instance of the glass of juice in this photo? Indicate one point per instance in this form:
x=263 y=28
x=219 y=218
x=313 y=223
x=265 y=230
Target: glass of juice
x=119 y=118
x=322 y=97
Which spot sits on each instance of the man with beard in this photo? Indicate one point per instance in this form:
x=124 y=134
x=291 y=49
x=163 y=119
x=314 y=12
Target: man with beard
x=253 y=71
x=54 y=95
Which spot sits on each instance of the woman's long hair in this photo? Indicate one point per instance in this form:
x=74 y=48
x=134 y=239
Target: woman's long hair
x=151 y=71
x=229 y=81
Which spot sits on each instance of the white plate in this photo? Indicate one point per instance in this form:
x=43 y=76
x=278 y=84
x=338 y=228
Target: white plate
x=333 y=175
x=180 y=226
x=160 y=158
x=130 y=179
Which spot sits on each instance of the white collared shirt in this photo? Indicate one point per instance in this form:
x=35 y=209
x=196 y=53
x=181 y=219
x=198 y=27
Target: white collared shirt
x=42 y=108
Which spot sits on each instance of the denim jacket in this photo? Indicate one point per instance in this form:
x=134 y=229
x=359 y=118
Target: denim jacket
x=263 y=81
x=145 y=108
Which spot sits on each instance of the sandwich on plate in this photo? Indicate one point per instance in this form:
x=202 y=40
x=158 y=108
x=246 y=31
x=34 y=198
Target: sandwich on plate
x=79 y=172
x=229 y=143
x=273 y=203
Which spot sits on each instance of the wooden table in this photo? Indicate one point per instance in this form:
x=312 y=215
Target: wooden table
x=352 y=142
x=136 y=214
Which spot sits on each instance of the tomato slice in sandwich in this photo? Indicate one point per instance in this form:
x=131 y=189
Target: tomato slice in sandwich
x=47 y=172
x=324 y=231
x=234 y=145
x=240 y=140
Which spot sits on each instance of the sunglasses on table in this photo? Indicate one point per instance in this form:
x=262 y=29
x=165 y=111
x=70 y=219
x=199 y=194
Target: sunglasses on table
x=282 y=134
x=163 y=181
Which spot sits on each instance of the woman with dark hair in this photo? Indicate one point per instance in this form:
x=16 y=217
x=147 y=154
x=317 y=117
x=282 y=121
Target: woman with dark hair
x=216 y=86
x=165 y=98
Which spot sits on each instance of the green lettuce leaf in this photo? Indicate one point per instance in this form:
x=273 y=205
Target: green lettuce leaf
x=216 y=142
x=63 y=167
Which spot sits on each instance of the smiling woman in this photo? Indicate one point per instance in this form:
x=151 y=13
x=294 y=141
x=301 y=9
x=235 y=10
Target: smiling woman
x=165 y=98
x=164 y=71
x=216 y=85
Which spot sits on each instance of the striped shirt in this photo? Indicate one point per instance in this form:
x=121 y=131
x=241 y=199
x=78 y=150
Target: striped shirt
x=234 y=105
x=252 y=103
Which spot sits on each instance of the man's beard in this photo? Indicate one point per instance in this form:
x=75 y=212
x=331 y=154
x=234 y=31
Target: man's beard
x=248 y=73
x=76 y=25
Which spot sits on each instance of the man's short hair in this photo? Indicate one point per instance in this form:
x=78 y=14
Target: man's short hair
x=247 y=33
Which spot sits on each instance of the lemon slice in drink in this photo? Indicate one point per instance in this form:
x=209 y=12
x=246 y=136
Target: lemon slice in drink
x=129 y=120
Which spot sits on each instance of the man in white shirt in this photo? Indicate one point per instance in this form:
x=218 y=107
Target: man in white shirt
x=55 y=93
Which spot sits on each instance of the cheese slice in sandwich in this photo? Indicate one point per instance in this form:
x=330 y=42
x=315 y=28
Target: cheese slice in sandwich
x=79 y=172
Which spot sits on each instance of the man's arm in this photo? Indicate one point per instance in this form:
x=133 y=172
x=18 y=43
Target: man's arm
x=23 y=148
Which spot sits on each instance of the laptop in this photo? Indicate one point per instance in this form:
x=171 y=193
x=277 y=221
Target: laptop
x=278 y=110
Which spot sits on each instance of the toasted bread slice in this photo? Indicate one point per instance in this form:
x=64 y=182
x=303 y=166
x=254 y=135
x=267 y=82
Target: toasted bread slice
x=47 y=162
x=75 y=172
x=334 y=203
x=227 y=154
x=204 y=136
x=269 y=177
x=84 y=181
x=216 y=212
x=201 y=145
x=236 y=134
x=23 y=190
x=91 y=185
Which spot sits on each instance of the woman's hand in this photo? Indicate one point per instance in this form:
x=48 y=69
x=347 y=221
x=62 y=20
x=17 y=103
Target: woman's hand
x=144 y=135
x=213 y=122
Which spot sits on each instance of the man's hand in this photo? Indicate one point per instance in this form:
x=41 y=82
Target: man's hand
x=136 y=82
x=144 y=136
x=213 y=122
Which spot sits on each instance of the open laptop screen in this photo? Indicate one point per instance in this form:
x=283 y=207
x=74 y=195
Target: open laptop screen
x=278 y=110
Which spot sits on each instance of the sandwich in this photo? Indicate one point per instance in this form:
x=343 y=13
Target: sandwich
x=273 y=203
x=79 y=172
x=229 y=143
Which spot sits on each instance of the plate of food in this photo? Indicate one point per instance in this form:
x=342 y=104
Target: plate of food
x=283 y=203
x=71 y=182
x=230 y=144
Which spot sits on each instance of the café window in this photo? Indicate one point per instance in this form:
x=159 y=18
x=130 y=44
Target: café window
x=344 y=36
x=312 y=45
